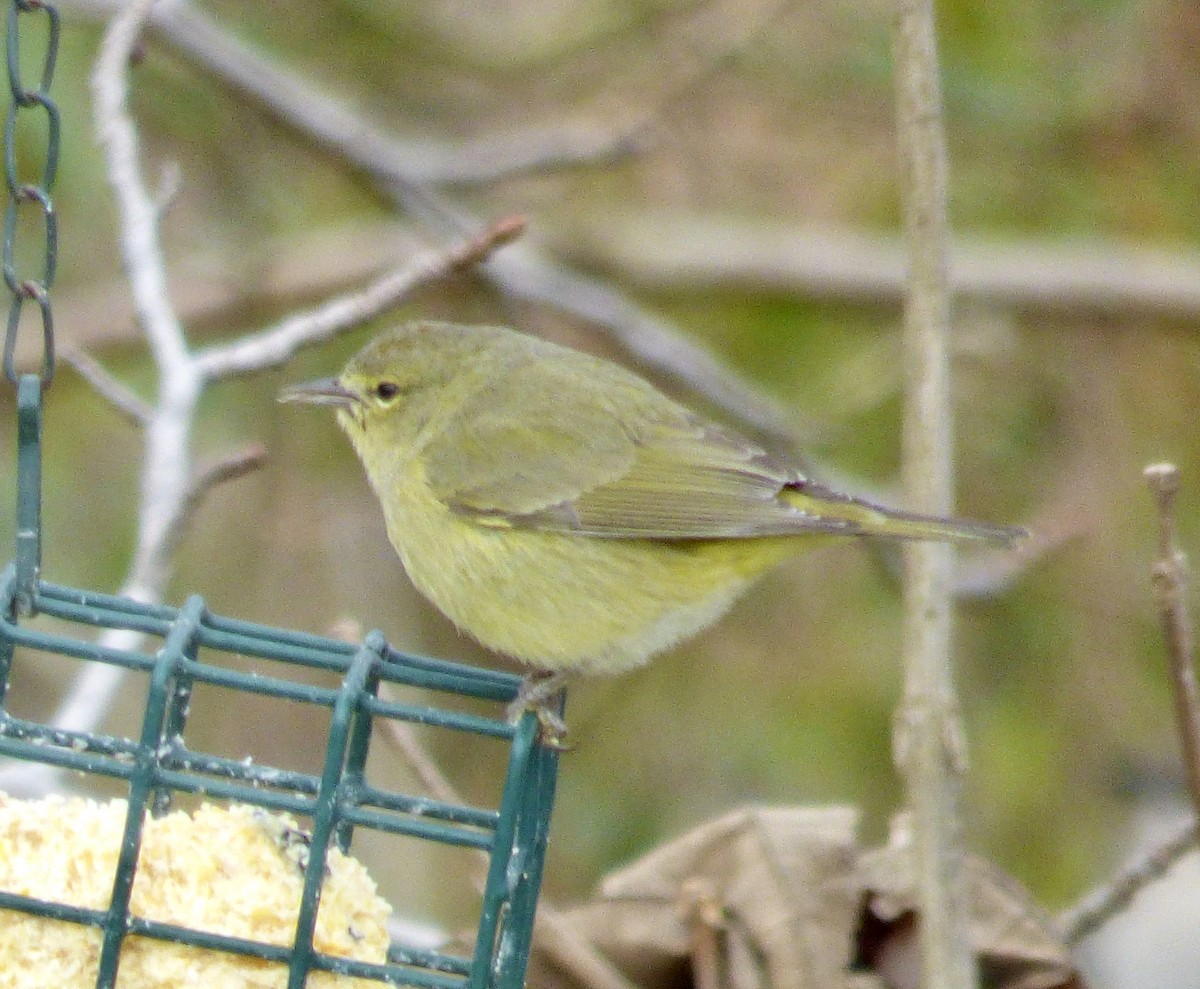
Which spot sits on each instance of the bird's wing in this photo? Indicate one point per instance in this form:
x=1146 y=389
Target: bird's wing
x=617 y=460
x=691 y=479
x=527 y=441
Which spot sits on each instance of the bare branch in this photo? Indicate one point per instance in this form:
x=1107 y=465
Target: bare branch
x=1063 y=516
x=480 y=247
x=705 y=45
x=540 y=148
x=682 y=250
x=1169 y=574
x=929 y=736
x=170 y=184
x=140 y=248
x=1170 y=590
x=1100 y=905
x=168 y=433
x=118 y=396
x=698 y=43
x=573 y=951
x=88 y=700
x=276 y=344
x=227 y=468
x=404 y=737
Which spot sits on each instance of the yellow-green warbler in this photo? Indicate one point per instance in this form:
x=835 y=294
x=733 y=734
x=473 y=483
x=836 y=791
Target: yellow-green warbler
x=562 y=510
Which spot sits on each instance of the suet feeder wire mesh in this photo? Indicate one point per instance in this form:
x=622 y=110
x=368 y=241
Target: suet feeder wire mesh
x=160 y=763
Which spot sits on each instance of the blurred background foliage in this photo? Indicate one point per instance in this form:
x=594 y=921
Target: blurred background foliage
x=1072 y=122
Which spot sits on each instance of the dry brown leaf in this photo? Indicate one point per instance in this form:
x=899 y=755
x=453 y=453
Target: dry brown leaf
x=1015 y=939
x=784 y=898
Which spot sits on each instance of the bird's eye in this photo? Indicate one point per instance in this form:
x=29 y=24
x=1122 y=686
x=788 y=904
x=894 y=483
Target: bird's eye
x=385 y=391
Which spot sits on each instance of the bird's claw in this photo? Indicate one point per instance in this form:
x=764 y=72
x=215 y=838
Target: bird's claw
x=542 y=697
x=553 y=730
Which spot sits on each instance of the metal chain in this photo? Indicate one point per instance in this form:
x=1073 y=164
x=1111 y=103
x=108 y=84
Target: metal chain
x=36 y=288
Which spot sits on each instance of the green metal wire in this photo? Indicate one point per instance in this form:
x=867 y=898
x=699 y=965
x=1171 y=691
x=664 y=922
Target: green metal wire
x=160 y=763
x=29 y=495
x=340 y=800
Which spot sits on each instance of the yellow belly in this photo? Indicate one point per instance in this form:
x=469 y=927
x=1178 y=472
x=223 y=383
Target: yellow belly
x=560 y=602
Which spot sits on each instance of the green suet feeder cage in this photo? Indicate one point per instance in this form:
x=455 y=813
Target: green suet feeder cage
x=340 y=801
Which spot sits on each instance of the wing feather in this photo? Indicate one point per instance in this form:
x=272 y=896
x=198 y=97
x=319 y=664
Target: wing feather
x=530 y=438
x=539 y=449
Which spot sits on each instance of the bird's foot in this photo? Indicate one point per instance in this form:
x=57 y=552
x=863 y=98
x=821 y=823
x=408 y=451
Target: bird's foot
x=542 y=694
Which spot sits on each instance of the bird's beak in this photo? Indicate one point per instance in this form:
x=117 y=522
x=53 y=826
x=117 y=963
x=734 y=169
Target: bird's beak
x=323 y=391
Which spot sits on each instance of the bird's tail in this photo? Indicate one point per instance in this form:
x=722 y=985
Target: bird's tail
x=856 y=516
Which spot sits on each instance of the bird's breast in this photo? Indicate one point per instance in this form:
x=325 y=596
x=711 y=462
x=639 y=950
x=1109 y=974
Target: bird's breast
x=557 y=601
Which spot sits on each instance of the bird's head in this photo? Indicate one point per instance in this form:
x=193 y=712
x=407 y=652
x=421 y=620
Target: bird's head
x=391 y=388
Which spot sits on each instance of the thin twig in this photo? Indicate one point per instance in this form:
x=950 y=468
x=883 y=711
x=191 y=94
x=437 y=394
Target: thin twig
x=1170 y=590
x=278 y=343
x=1100 y=905
x=228 y=468
x=481 y=247
x=571 y=949
x=88 y=700
x=706 y=44
x=170 y=185
x=929 y=735
x=681 y=251
x=1061 y=517
x=404 y=737
x=702 y=912
x=141 y=251
x=124 y=401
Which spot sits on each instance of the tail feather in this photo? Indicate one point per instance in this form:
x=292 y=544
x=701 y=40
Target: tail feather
x=865 y=518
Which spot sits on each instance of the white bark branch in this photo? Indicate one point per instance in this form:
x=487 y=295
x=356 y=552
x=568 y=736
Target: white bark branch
x=276 y=344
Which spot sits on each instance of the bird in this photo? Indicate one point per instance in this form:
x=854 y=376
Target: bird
x=563 y=511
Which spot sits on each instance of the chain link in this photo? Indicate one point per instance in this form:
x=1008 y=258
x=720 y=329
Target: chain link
x=31 y=194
